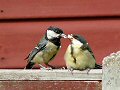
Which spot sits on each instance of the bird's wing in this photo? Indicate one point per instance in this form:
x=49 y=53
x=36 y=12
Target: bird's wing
x=87 y=47
x=40 y=46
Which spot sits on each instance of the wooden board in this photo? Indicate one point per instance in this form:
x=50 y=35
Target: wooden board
x=13 y=9
x=17 y=39
x=50 y=79
x=50 y=85
x=54 y=74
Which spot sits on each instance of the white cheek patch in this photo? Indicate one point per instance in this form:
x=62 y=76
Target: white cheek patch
x=76 y=42
x=51 y=34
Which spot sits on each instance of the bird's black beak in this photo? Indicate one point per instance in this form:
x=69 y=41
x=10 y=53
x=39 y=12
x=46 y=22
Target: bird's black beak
x=63 y=35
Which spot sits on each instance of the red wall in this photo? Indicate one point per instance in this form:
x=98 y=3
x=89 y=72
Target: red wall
x=22 y=26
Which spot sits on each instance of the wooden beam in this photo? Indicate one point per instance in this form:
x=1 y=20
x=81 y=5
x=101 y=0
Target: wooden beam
x=111 y=72
x=50 y=85
x=27 y=34
x=13 y=9
x=56 y=74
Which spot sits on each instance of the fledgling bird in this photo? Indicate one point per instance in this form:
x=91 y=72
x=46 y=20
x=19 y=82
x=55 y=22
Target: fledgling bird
x=79 y=55
x=46 y=49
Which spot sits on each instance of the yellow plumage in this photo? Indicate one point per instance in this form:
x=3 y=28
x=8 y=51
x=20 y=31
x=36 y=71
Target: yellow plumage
x=46 y=55
x=83 y=58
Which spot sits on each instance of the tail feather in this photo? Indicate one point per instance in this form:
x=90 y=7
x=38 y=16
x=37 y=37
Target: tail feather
x=97 y=66
x=27 y=57
x=29 y=65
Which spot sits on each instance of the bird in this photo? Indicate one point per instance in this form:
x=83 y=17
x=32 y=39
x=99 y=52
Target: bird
x=79 y=55
x=46 y=49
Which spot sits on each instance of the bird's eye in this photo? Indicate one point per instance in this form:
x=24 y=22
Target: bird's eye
x=75 y=37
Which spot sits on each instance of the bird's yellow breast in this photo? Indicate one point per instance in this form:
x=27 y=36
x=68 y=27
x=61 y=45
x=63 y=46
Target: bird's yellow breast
x=45 y=55
x=50 y=51
x=84 y=59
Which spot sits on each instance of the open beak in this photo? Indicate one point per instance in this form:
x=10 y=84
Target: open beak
x=70 y=36
x=63 y=35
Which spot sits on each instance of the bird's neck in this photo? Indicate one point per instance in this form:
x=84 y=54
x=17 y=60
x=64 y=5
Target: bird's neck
x=55 y=41
x=75 y=45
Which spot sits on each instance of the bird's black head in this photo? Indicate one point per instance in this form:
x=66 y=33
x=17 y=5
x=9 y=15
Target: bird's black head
x=56 y=30
x=54 y=34
x=77 y=38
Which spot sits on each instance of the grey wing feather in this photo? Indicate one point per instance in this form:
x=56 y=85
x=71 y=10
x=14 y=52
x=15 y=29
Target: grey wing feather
x=86 y=46
x=90 y=50
x=40 y=46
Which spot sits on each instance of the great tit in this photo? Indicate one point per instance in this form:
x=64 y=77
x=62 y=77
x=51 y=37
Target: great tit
x=46 y=49
x=79 y=55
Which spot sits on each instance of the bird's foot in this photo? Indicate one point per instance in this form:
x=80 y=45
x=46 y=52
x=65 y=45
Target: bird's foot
x=71 y=70
x=41 y=66
x=50 y=66
x=88 y=70
x=63 y=68
x=44 y=68
x=47 y=68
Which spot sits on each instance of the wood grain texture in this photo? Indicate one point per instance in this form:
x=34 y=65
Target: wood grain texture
x=17 y=39
x=111 y=72
x=13 y=9
x=50 y=85
x=55 y=74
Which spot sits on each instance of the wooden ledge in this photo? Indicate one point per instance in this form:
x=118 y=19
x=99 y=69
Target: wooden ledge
x=55 y=74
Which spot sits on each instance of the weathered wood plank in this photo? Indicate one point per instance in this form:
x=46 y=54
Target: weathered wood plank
x=50 y=85
x=57 y=74
x=111 y=72
x=13 y=9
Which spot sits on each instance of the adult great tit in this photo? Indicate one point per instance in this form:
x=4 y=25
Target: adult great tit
x=46 y=49
x=79 y=55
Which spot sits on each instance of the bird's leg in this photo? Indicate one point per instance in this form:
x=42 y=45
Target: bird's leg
x=41 y=66
x=64 y=68
x=88 y=70
x=52 y=67
x=71 y=70
x=44 y=68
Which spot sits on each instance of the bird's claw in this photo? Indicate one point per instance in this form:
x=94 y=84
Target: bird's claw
x=88 y=70
x=71 y=70
x=63 y=68
x=47 y=68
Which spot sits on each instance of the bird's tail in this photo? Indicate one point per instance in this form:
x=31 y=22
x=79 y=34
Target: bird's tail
x=98 y=66
x=29 y=65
